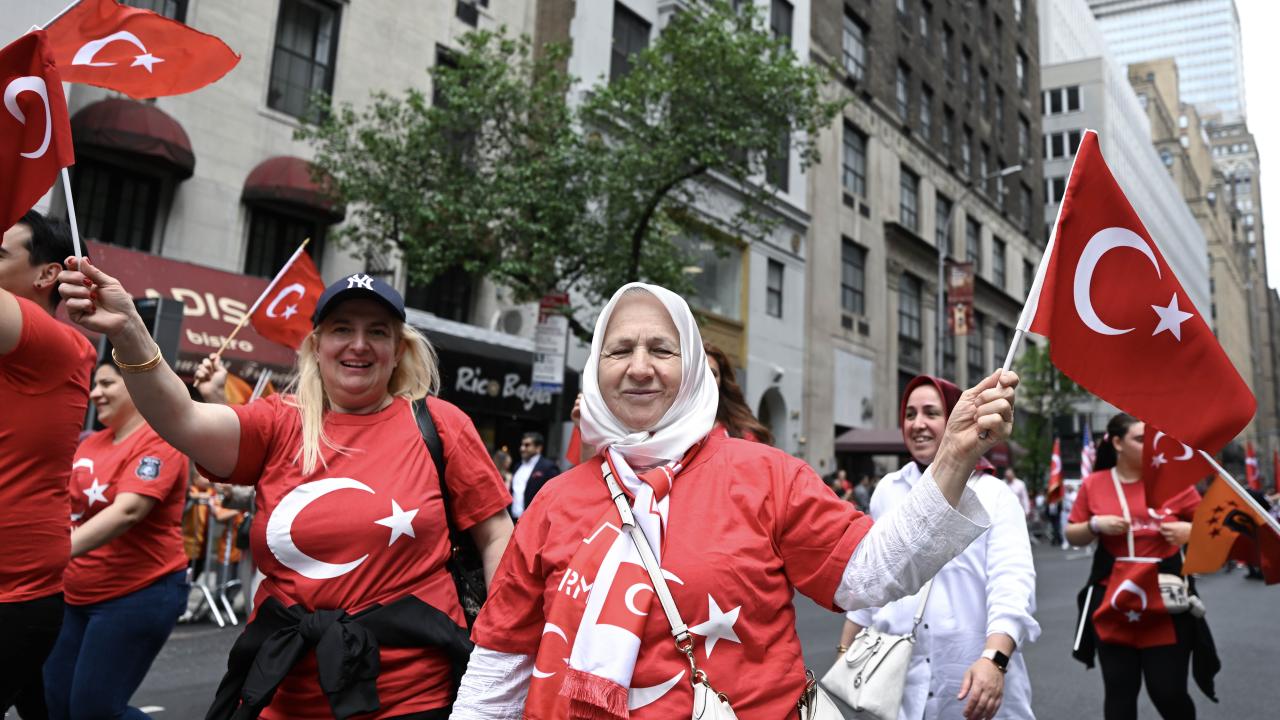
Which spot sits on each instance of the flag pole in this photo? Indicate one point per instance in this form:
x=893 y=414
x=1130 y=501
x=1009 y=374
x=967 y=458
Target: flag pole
x=1084 y=617
x=264 y=379
x=270 y=286
x=1239 y=490
x=62 y=12
x=71 y=213
x=1033 y=295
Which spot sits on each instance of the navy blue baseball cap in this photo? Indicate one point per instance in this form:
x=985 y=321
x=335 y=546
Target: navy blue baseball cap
x=357 y=286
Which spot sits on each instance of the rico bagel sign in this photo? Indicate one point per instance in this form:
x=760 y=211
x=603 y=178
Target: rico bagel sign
x=215 y=301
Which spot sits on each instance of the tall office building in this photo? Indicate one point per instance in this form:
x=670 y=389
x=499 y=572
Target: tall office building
x=1203 y=36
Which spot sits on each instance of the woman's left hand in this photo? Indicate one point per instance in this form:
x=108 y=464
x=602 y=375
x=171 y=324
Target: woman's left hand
x=983 y=684
x=1176 y=533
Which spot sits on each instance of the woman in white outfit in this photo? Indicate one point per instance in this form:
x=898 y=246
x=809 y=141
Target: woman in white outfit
x=977 y=617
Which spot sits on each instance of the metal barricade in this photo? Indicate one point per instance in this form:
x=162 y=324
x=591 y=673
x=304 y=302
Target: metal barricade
x=218 y=575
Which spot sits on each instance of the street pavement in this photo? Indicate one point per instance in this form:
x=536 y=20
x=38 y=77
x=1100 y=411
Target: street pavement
x=1243 y=614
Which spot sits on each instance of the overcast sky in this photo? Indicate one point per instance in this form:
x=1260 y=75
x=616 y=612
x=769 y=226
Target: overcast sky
x=1259 y=19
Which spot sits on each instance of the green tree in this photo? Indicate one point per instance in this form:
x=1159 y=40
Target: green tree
x=1044 y=394
x=516 y=173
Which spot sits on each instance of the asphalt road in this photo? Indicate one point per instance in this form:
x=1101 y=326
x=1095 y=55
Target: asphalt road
x=1244 y=616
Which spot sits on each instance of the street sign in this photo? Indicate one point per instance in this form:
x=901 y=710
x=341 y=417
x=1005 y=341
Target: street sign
x=550 y=340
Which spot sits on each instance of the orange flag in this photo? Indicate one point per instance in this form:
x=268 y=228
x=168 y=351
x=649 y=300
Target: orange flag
x=1226 y=527
x=240 y=392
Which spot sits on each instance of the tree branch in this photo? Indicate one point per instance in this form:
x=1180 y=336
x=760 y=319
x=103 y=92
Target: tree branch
x=642 y=222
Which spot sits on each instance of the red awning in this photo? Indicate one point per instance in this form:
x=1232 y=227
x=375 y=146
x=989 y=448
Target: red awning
x=876 y=441
x=289 y=181
x=135 y=130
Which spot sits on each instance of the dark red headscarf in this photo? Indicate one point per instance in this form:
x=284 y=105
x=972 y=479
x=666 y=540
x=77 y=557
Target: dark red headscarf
x=950 y=394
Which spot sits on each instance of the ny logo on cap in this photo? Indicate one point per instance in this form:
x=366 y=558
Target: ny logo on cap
x=361 y=281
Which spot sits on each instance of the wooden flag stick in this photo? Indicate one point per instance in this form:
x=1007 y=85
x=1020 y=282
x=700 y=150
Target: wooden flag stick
x=1244 y=494
x=270 y=286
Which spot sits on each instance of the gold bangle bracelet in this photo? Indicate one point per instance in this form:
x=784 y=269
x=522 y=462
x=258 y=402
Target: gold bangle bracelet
x=842 y=649
x=135 y=369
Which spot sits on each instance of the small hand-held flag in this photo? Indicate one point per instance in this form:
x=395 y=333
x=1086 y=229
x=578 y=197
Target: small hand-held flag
x=1088 y=453
x=1132 y=612
x=1168 y=466
x=1120 y=324
x=35 y=132
x=283 y=312
x=139 y=53
x=1228 y=527
x=1054 y=494
x=1251 y=477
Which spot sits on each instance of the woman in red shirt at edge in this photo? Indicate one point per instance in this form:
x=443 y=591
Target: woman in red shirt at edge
x=127 y=580
x=1157 y=533
x=733 y=417
x=357 y=614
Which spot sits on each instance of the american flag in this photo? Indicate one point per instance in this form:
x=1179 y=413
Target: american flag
x=1087 y=452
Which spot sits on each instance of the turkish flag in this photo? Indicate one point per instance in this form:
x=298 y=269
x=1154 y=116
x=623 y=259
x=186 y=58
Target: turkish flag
x=1226 y=527
x=35 y=133
x=283 y=313
x=1169 y=467
x=1132 y=612
x=1055 y=473
x=1251 y=467
x=573 y=455
x=1119 y=323
x=139 y=53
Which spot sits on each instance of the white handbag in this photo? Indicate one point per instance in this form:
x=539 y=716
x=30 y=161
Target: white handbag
x=872 y=674
x=707 y=703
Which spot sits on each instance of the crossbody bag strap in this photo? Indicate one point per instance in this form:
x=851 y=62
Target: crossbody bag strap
x=1124 y=508
x=924 y=600
x=435 y=446
x=679 y=630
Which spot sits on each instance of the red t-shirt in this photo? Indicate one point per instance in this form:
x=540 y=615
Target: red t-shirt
x=368 y=527
x=44 y=392
x=747 y=524
x=144 y=464
x=1097 y=496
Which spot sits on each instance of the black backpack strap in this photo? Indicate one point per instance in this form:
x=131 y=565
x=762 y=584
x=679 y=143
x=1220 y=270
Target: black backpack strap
x=431 y=437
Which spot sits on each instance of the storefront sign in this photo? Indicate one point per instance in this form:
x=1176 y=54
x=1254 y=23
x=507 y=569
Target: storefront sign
x=550 y=340
x=494 y=386
x=215 y=303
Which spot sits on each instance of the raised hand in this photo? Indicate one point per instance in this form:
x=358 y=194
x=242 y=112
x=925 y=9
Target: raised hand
x=982 y=418
x=94 y=299
x=211 y=379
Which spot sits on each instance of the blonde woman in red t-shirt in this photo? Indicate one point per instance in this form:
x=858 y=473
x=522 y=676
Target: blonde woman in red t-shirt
x=1127 y=527
x=127 y=580
x=357 y=614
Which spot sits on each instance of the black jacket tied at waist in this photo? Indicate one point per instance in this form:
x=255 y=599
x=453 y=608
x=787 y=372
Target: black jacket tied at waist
x=347 y=653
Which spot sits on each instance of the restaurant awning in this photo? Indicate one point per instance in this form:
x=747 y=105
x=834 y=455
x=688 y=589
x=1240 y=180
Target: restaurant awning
x=139 y=133
x=287 y=180
x=871 y=441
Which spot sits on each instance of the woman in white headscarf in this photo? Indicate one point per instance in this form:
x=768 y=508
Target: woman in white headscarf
x=572 y=628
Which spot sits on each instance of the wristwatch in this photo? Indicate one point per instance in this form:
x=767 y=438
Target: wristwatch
x=1000 y=659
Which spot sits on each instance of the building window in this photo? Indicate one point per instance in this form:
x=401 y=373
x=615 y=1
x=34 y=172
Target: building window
x=773 y=289
x=948 y=37
x=275 y=235
x=973 y=243
x=1028 y=276
x=973 y=350
x=942 y=223
x=926 y=10
x=855 y=48
x=777 y=166
x=983 y=176
x=173 y=9
x=1055 y=188
x=966 y=60
x=1062 y=144
x=447 y=296
x=1017 y=11
x=984 y=82
x=926 y=112
x=1024 y=138
x=902 y=9
x=1061 y=100
x=115 y=205
x=853 y=277
x=718 y=287
x=903 y=93
x=948 y=122
x=998 y=262
x=1028 y=212
x=780 y=14
x=1000 y=338
x=855 y=161
x=999 y=111
x=910 y=330
x=630 y=36
x=966 y=152
x=909 y=200
x=1020 y=70
x=305 y=53
x=948 y=355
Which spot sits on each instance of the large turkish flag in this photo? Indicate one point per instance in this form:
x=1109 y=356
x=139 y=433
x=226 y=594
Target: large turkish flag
x=139 y=53
x=1119 y=323
x=35 y=133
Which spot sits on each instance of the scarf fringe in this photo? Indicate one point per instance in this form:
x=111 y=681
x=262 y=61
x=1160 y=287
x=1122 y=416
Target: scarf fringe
x=592 y=697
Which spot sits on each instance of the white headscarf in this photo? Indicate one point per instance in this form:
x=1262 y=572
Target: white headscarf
x=689 y=418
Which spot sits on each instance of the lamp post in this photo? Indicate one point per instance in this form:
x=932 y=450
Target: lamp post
x=942 y=260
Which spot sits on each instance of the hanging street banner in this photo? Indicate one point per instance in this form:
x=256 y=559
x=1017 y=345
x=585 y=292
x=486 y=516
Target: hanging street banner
x=960 y=297
x=550 y=342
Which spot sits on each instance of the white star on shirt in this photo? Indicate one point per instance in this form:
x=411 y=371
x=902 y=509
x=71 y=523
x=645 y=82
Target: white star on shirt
x=1158 y=460
x=1133 y=616
x=1171 y=318
x=146 y=60
x=96 y=493
x=718 y=626
x=400 y=522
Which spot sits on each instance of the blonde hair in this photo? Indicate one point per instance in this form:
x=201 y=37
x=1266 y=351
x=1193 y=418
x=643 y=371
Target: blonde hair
x=416 y=375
